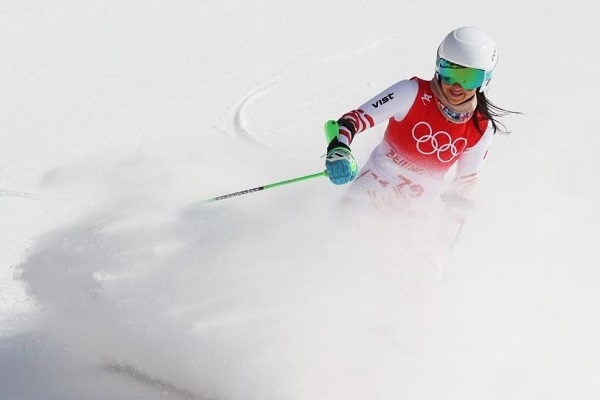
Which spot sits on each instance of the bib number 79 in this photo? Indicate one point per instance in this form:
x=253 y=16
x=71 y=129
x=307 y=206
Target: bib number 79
x=406 y=185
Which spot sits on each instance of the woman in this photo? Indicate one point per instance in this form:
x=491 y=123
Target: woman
x=432 y=125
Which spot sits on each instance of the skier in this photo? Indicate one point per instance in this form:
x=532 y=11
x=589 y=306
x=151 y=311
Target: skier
x=432 y=125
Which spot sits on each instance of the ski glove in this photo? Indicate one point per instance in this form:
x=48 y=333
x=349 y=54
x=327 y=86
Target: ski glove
x=340 y=163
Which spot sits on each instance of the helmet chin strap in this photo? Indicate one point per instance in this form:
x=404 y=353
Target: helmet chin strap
x=457 y=113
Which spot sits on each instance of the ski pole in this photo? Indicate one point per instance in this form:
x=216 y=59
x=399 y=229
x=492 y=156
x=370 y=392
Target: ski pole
x=331 y=130
x=265 y=187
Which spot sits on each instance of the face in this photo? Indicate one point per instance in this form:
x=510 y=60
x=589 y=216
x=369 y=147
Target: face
x=456 y=94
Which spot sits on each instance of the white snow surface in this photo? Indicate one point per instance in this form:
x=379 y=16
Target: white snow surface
x=117 y=118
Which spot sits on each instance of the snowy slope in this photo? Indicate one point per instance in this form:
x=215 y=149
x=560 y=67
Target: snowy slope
x=118 y=118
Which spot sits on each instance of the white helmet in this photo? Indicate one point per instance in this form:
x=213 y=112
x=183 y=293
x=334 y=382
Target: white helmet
x=470 y=47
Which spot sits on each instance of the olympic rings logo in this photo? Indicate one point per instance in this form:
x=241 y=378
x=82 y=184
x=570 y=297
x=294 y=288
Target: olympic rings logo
x=439 y=142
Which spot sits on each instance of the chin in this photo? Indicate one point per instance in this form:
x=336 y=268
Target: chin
x=456 y=100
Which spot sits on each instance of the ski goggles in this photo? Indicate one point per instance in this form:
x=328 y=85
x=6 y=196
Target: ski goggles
x=468 y=78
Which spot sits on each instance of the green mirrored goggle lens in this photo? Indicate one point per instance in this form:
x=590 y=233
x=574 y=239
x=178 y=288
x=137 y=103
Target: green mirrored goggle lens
x=468 y=78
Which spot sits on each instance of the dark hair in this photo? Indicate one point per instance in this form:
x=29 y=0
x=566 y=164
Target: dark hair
x=491 y=112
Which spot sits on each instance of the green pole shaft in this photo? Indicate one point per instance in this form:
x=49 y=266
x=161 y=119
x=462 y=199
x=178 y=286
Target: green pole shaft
x=331 y=130
x=265 y=187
